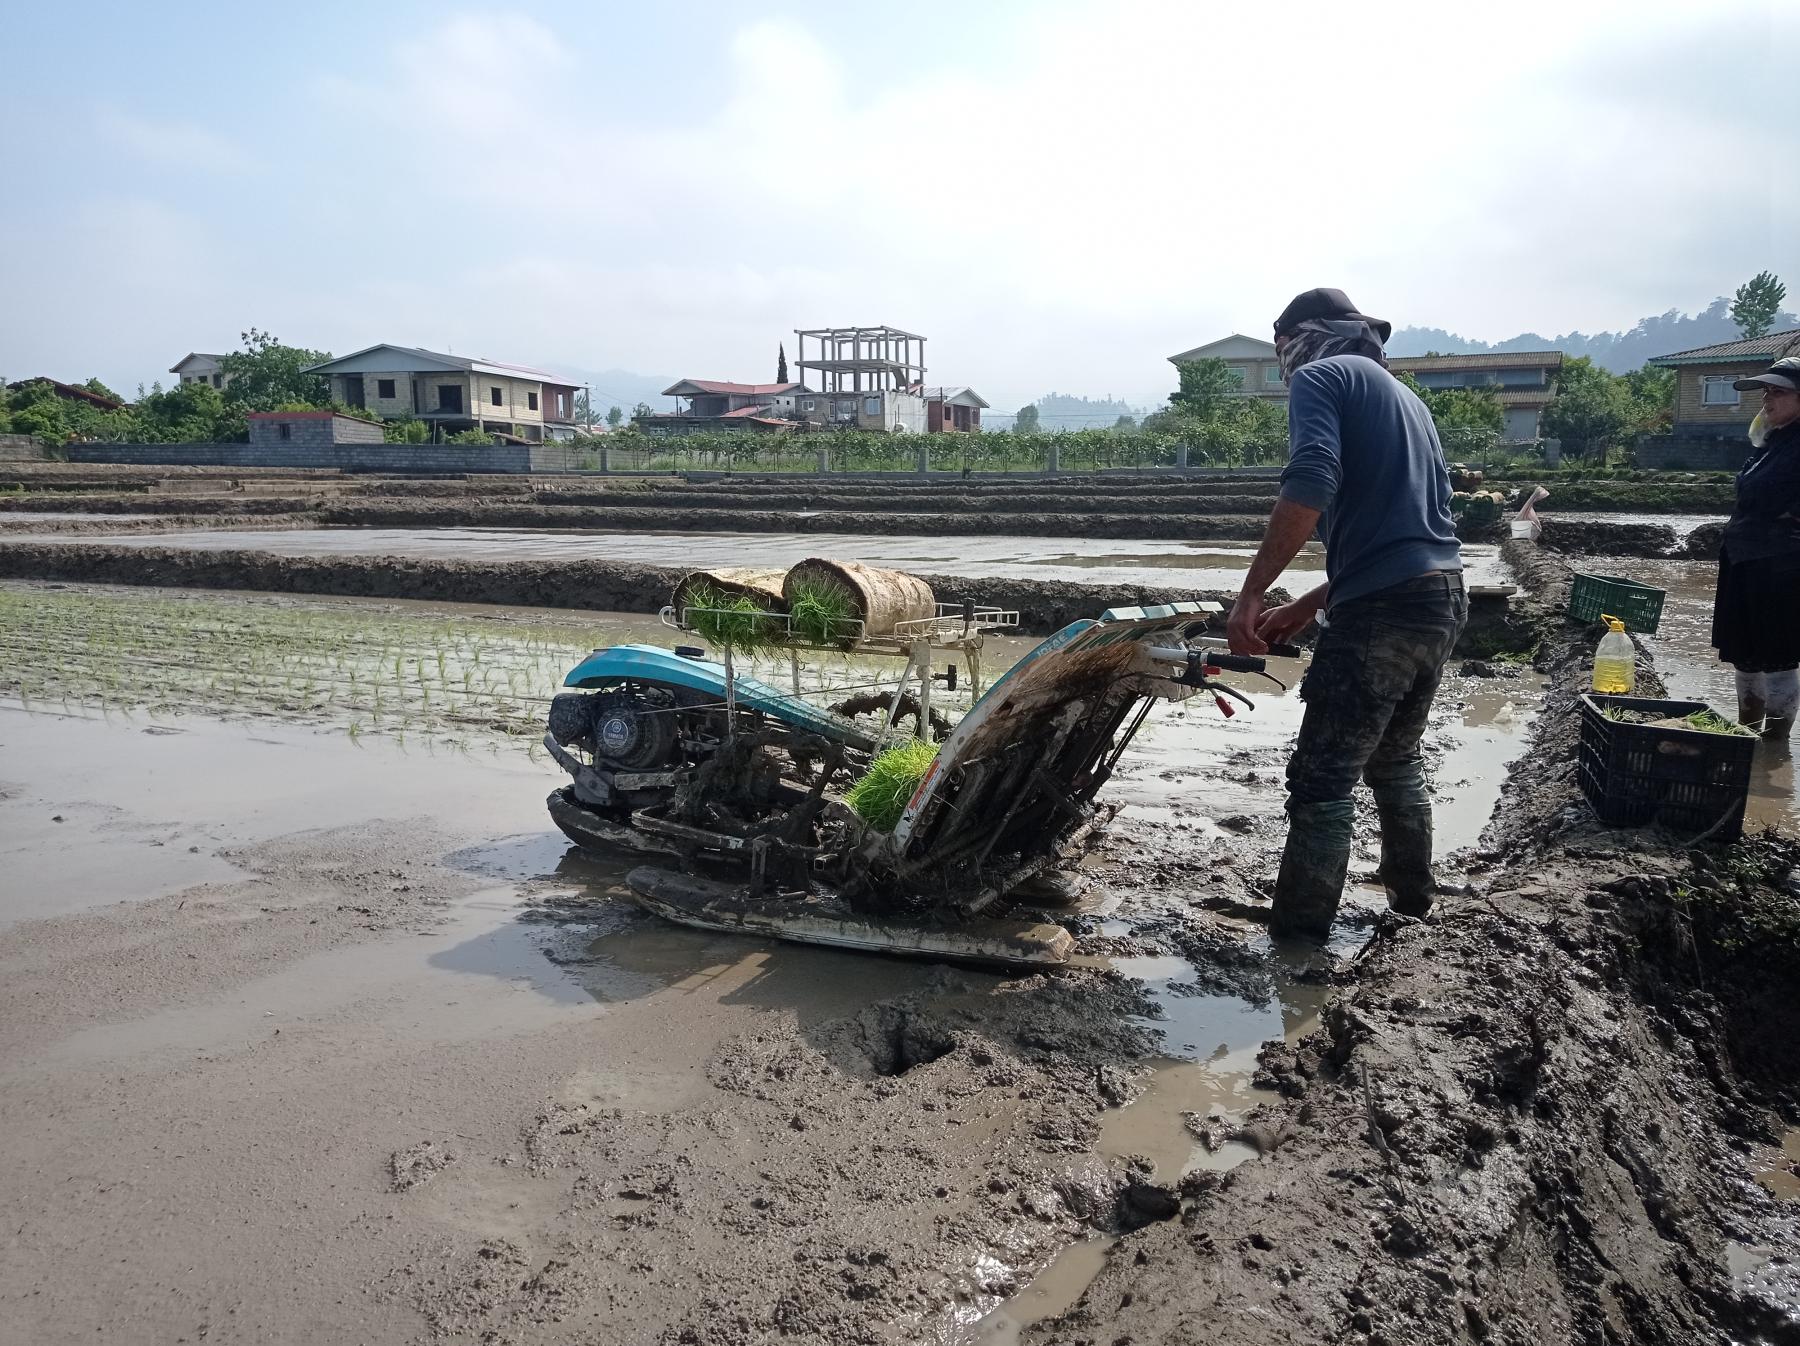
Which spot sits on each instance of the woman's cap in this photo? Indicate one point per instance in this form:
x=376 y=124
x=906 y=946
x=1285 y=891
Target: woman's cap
x=1331 y=304
x=1783 y=374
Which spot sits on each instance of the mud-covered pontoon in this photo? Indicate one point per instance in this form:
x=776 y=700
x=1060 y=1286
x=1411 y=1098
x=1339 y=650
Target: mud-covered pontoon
x=738 y=786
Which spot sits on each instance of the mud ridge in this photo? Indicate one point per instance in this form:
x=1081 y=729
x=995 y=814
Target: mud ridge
x=1521 y=1121
x=1044 y=606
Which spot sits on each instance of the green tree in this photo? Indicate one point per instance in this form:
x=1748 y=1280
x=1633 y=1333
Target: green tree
x=406 y=430
x=1126 y=423
x=1758 y=304
x=1206 y=386
x=614 y=416
x=1591 y=412
x=471 y=437
x=266 y=374
x=1651 y=395
x=1026 y=422
x=188 y=413
x=641 y=410
x=37 y=410
x=1459 y=408
x=95 y=386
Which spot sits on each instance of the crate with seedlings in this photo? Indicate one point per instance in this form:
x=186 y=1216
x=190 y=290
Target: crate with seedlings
x=1674 y=764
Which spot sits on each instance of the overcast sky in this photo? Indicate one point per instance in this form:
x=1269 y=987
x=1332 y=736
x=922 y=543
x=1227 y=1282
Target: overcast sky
x=1058 y=195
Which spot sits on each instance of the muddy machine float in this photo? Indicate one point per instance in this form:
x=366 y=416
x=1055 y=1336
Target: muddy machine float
x=737 y=786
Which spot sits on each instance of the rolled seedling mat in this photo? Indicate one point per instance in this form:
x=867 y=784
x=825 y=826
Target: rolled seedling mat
x=882 y=598
x=753 y=582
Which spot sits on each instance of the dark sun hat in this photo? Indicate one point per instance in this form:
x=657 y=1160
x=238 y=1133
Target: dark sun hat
x=1332 y=305
x=1783 y=374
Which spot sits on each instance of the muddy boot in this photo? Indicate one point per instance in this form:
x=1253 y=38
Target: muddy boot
x=1313 y=866
x=1751 y=712
x=1777 y=727
x=1406 y=859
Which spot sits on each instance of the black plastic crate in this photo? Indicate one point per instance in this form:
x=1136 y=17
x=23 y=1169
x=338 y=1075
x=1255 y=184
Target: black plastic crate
x=1683 y=779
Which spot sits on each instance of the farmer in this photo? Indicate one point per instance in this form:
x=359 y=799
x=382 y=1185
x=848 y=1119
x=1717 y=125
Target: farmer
x=1365 y=473
x=1756 y=611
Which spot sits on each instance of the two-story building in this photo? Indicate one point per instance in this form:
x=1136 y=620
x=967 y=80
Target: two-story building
x=199 y=367
x=1523 y=382
x=714 y=404
x=1252 y=362
x=453 y=393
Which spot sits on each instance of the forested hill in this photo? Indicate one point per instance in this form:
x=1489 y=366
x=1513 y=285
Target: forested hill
x=1620 y=352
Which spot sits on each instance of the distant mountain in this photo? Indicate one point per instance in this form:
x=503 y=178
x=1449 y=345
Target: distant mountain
x=1620 y=352
x=1065 y=411
x=620 y=387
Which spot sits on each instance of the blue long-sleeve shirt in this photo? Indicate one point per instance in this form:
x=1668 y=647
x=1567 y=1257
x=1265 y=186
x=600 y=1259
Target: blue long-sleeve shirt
x=1363 y=450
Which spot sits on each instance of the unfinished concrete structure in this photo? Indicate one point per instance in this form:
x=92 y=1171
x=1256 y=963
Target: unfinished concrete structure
x=866 y=378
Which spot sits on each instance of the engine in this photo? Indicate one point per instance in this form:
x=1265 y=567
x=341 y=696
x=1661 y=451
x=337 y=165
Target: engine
x=629 y=728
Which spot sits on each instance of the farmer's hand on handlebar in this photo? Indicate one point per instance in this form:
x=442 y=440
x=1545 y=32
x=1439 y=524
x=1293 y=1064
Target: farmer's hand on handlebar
x=1241 y=626
x=1280 y=625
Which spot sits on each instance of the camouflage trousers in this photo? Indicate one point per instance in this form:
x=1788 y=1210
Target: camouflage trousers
x=1368 y=694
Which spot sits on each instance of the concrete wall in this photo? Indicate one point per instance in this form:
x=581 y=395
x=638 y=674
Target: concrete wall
x=303 y=431
x=1693 y=453
x=346 y=457
x=21 y=449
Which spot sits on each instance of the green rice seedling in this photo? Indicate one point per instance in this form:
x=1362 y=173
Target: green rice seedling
x=821 y=612
x=731 y=620
x=880 y=797
x=1711 y=722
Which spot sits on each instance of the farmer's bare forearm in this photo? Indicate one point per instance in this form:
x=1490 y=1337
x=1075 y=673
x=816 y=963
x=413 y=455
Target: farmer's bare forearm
x=1290 y=525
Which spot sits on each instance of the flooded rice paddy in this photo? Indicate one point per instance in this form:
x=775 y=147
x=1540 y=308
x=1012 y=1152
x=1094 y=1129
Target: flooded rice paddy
x=1194 y=565
x=169 y=735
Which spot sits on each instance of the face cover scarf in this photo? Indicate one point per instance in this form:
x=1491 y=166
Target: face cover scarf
x=1321 y=338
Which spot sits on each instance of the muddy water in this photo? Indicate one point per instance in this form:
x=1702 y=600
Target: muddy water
x=1195 y=565
x=542 y=941
x=1690 y=667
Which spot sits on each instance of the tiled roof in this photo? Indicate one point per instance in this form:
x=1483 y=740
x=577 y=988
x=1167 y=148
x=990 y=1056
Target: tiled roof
x=1478 y=360
x=688 y=387
x=1750 y=348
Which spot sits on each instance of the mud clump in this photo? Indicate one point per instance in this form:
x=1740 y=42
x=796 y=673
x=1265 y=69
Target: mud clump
x=867 y=1178
x=418 y=1164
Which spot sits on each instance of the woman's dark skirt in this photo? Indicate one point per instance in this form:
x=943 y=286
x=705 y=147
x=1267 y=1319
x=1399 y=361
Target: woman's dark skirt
x=1756 y=614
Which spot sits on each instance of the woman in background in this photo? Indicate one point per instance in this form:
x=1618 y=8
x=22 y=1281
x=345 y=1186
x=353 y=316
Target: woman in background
x=1756 y=610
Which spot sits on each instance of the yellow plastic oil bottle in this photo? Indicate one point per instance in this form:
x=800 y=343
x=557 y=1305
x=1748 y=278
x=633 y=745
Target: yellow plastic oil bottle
x=1615 y=661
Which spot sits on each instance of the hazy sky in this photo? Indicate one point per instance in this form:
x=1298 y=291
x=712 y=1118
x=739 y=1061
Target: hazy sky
x=1059 y=195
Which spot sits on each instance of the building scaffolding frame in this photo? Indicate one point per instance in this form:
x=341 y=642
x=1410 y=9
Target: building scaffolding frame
x=862 y=359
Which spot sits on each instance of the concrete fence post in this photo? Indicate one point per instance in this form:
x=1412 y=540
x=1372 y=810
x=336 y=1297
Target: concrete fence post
x=824 y=462
x=924 y=463
x=605 y=457
x=1052 y=458
x=1181 y=457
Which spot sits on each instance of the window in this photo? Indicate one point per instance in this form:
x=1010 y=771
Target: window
x=871 y=406
x=494 y=397
x=1271 y=374
x=218 y=380
x=1238 y=373
x=384 y=388
x=807 y=405
x=284 y=431
x=450 y=397
x=531 y=401
x=1716 y=391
